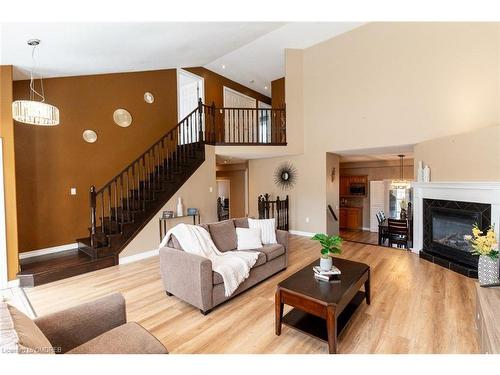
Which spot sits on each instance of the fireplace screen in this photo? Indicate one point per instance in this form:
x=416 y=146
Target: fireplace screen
x=449 y=228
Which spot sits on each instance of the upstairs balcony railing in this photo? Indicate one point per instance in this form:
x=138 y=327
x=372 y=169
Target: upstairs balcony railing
x=244 y=126
x=250 y=126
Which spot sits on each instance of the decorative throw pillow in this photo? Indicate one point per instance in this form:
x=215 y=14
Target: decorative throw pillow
x=241 y=222
x=248 y=238
x=31 y=338
x=224 y=235
x=267 y=228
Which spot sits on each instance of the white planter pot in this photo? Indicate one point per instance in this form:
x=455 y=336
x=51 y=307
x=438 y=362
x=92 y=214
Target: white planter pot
x=325 y=263
x=488 y=271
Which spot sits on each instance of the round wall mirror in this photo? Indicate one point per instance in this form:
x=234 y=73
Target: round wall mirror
x=148 y=97
x=89 y=136
x=122 y=118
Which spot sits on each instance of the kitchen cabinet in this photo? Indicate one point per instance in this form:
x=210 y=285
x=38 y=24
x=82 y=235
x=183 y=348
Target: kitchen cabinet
x=344 y=185
x=351 y=217
x=346 y=182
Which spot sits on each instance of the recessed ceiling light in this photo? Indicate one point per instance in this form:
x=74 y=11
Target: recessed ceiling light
x=265 y=87
x=223 y=66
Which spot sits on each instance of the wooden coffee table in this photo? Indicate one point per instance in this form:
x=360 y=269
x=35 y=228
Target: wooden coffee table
x=322 y=308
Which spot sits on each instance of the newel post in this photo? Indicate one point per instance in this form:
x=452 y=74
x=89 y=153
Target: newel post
x=92 y=215
x=200 y=120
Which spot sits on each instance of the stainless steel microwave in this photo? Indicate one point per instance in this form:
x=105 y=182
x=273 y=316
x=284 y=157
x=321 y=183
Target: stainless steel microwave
x=357 y=189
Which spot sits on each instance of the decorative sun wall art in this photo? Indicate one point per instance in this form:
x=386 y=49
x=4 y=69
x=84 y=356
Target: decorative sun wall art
x=285 y=176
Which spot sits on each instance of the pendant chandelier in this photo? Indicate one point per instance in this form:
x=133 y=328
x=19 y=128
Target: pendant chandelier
x=401 y=183
x=32 y=111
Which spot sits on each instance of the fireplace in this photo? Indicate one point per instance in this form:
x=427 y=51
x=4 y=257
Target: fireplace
x=445 y=223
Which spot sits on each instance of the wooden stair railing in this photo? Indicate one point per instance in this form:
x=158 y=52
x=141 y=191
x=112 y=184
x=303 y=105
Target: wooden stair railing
x=277 y=209
x=119 y=208
x=165 y=163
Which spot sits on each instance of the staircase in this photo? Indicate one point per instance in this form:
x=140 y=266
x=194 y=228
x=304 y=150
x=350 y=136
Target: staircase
x=123 y=206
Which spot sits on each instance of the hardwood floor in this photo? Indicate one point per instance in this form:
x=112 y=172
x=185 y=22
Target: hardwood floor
x=417 y=307
x=363 y=236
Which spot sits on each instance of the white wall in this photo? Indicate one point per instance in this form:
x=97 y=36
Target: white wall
x=380 y=85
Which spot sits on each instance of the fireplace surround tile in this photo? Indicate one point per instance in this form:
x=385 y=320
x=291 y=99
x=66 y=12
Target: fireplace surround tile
x=468 y=193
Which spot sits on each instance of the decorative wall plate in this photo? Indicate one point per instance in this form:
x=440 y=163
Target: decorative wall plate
x=285 y=176
x=122 y=118
x=149 y=98
x=89 y=136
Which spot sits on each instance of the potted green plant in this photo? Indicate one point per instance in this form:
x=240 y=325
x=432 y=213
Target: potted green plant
x=486 y=246
x=329 y=245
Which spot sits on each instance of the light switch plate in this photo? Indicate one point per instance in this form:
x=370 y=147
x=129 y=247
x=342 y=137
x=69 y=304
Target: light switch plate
x=73 y=191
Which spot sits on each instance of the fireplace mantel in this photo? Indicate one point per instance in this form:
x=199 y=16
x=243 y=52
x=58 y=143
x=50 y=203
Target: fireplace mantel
x=480 y=192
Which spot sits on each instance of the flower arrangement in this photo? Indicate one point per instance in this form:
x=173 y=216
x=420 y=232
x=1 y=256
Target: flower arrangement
x=329 y=244
x=483 y=244
x=404 y=204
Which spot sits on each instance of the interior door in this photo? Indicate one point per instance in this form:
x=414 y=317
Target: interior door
x=239 y=123
x=190 y=91
x=377 y=202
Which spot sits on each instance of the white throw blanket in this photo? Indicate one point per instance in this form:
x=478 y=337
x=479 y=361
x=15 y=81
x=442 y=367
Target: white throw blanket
x=234 y=266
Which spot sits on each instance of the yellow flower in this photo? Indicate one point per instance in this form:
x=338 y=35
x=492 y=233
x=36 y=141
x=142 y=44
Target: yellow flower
x=476 y=231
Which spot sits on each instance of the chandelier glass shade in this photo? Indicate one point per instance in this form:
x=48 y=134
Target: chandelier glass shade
x=400 y=183
x=35 y=112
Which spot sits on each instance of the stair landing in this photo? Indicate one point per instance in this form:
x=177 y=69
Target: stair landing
x=44 y=269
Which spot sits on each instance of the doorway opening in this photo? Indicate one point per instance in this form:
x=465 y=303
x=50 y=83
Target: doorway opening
x=232 y=187
x=375 y=193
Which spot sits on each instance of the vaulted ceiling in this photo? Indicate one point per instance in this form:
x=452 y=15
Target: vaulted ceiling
x=251 y=53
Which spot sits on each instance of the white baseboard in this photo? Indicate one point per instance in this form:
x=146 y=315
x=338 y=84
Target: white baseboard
x=366 y=229
x=49 y=250
x=301 y=233
x=13 y=283
x=140 y=256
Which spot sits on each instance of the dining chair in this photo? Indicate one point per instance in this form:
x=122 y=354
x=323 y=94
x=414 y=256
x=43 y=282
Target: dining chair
x=397 y=231
x=382 y=229
x=380 y=216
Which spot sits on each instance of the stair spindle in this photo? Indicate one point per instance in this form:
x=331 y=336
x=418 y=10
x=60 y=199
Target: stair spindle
x=128 y=193
x=121 y=204
x=93 y=206
x=116 y=200
x=109 y=207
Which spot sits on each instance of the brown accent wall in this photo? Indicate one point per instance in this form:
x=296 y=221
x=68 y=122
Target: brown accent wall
x=214 y=87
x=49 y=161
x=9 y=169
x=278 y=93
